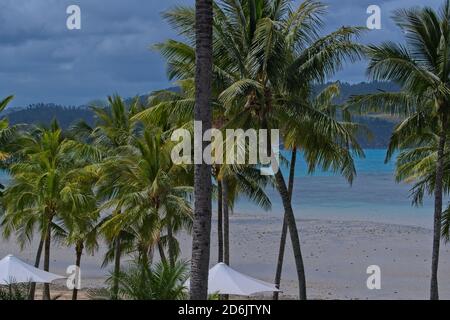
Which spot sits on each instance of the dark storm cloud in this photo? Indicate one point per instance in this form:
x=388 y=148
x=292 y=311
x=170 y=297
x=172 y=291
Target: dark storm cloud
x=40 y=60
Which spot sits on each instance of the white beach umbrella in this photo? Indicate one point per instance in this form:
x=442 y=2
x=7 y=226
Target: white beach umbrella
x=225 y=280
x=14 y=270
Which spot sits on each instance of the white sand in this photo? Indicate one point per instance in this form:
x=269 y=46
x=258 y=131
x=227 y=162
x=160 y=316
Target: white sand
x=336 y=256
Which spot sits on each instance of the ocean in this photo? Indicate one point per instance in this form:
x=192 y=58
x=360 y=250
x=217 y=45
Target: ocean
x=374 y=195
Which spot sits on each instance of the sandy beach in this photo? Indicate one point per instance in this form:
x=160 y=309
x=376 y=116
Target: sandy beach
x=336 y=256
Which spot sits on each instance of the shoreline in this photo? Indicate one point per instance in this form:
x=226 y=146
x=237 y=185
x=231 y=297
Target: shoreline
x=336 y=255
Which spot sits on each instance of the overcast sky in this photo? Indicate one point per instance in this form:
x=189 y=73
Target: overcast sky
x=42 y=61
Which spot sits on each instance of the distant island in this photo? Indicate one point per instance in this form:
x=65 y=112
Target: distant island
x=381 y=126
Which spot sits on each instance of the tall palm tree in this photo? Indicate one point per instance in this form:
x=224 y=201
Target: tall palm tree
x=329 y=145
x=284 y=53
x=202 y=172
x=263 y=53
x=416 y=138
x=422 y=70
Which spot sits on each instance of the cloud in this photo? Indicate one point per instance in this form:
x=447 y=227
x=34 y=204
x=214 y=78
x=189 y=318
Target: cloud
x=41 y=60
x=44 y=61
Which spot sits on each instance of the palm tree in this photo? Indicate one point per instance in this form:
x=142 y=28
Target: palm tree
x=263 y=54
x=420 y=68
x=4 y=102
x=5 y=130
x=112 y=132
x=175 y=109
x=45 y=186
x=80 y=228
x=202 y=172
x=6 y=134
x=152 y=194
x=162 y=281
x=284 y=50
x=330 y=145
x=417 y=139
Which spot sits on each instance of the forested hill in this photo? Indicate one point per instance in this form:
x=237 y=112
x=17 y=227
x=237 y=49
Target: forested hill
x=41 y=113
x=44 y=113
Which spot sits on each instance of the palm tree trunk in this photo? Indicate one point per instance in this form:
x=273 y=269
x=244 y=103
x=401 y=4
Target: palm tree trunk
x=284 y=228
x=219 y=222
x=226 y=224
x=117 y=254
x=434 y=291
x=161 y=253
x=36 y=265
x=144 y=257
x=78 y=251
x=202 y=172
x=293 y=231
x=172 y=253
x=150 y=255
x=226 y=229
x=290 y=220
x=46 y=293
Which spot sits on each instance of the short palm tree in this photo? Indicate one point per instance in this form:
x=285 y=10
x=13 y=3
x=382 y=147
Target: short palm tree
x=162 y=281
x=45 y=186
x=113 y=131
x=81 y=227
x=152 y=194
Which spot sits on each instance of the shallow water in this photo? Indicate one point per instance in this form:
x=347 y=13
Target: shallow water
x=374 y=195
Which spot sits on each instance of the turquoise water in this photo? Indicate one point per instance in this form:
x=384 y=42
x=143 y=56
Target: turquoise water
x=4 y=177
x=372 y=163
x=374 y=195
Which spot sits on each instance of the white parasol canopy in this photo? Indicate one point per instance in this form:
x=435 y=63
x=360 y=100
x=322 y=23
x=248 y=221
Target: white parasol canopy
x=14 y=270
x=224 y=280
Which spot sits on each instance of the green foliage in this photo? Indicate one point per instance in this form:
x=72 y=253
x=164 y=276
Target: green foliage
x=14 y=291
x=420 y=68
x=161 y=281
x=48 y=184
x=111 y=176
x=267 y=59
